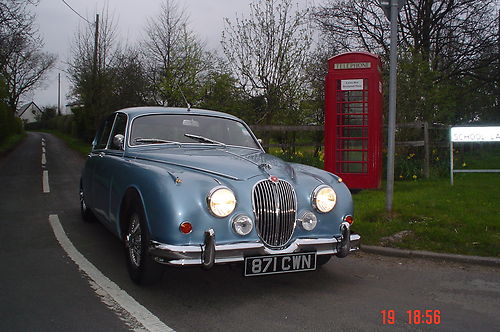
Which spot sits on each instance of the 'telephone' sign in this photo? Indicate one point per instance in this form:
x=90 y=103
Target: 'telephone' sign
x=475 y=134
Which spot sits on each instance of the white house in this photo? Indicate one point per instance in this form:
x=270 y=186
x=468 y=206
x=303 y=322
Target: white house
x=29 y=112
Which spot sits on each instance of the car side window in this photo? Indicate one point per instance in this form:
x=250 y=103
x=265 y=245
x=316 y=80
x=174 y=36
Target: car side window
x=118 y=129
x=103 y=136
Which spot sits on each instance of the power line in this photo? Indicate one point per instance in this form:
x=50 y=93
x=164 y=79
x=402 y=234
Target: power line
x=77 y=13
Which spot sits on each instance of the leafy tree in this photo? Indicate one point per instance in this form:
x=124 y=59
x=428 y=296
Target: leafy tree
x=93 y=74
x=267 y=52
x=175 y=59
x=446 y=48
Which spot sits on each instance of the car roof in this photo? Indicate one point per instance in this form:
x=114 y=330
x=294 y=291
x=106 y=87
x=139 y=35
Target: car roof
x=134 y=112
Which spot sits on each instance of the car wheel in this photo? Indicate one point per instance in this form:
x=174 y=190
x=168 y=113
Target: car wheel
x=142 y=268
x=322 y=260
x=87 y=215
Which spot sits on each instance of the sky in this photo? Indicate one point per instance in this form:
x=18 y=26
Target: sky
x=58 y=24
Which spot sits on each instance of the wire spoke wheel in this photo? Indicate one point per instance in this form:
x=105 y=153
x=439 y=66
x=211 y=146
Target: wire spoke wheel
x=134 y=241
x=142 y=268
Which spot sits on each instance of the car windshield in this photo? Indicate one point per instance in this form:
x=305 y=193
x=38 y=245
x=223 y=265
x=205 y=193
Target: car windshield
x=176 y=129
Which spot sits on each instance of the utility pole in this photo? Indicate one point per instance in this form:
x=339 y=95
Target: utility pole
x=96 y=45
x=59 y=94
x=391 y=9
x=95 y=87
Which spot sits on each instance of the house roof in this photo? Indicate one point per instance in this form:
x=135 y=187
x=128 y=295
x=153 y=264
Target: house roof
x=26 y=106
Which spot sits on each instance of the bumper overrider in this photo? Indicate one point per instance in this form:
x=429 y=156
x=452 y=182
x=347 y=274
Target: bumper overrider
x=210 y=253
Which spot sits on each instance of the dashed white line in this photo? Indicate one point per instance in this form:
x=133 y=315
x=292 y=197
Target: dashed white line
x=45 y=182
x=44 y=160
x=105 y=288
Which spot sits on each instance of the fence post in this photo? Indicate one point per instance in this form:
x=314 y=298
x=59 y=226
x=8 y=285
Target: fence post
x=427 y=148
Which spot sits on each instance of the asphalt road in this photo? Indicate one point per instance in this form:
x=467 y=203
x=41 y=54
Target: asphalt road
x=42 y=289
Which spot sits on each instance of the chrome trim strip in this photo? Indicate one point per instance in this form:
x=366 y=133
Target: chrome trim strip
x=236 y=252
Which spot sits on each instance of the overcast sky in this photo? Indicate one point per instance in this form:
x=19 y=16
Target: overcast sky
x=58 y=25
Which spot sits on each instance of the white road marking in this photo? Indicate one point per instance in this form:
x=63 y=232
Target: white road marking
x=45 y=182
x=109 y=292
x=43 y=149
x=44 y=160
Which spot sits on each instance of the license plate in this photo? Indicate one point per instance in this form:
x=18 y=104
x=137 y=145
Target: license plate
x=272 y=264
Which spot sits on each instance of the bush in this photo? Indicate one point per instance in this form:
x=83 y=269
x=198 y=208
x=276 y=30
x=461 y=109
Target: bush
x=9 y=124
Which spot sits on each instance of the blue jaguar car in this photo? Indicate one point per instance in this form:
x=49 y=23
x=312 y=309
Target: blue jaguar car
x=190 y=187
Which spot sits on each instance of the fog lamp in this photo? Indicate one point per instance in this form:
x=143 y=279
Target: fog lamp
x=242 y=224
x=309 y=221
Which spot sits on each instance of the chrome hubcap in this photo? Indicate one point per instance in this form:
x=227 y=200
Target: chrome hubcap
x=82 y=201
x=134 y=241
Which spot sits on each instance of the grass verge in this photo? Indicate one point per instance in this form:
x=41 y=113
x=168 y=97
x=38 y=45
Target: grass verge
x=461 y=219
x=9 y=143
x=74 y=143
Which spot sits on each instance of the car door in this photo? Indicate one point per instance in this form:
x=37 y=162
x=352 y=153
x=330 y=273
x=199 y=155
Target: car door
x=111 y=167
x=100 y=173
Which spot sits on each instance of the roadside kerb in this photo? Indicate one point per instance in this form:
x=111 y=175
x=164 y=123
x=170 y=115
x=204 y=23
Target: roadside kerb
x=478 y=260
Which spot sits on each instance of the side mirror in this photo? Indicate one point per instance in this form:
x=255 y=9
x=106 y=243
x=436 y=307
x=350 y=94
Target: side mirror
x=118 y=141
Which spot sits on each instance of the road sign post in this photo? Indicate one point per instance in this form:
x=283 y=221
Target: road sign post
x=391 y=9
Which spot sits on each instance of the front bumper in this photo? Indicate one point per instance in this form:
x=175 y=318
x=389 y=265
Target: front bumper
x=211 y=253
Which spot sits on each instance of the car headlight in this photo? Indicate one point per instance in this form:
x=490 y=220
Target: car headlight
x=324 y=198
x=221 y=201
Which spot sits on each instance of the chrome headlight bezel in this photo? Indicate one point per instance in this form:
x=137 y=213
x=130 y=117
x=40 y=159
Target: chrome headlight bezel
x=216 y=196
x=324 y=198
x=308 y=221
x=240 y=222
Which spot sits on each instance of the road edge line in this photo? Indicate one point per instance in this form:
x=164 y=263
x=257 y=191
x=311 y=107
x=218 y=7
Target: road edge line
x=111 y=290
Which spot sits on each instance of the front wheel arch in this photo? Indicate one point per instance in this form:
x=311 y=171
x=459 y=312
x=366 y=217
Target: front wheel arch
x=130 y=198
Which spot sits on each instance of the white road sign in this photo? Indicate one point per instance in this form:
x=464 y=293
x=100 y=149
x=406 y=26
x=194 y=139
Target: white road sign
x=475 y=134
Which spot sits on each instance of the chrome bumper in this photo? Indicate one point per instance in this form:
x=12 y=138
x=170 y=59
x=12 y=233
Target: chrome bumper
x=210 y=253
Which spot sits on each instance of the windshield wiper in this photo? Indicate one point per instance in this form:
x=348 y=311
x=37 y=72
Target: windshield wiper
x=204 y=139
x=152 y=140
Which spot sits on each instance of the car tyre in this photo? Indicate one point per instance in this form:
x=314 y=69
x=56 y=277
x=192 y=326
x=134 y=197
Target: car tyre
x=87 y=215
x=143 y=270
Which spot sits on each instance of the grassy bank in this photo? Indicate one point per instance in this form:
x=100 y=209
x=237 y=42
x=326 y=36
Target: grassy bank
x=461 y=219
x=10 y=142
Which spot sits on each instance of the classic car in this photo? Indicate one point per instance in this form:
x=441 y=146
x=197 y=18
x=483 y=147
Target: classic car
x=187 y=187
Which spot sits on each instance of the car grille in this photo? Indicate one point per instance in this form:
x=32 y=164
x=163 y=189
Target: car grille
x=274 y=206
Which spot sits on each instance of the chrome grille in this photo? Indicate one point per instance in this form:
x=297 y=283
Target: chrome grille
x=274 y=207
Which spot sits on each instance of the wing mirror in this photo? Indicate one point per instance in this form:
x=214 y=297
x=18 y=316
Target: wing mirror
x=118 y=141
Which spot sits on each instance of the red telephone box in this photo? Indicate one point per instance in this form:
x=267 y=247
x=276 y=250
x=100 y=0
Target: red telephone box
x=353 y=119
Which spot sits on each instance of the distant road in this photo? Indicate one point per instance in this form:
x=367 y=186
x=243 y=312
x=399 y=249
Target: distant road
x=42 y=289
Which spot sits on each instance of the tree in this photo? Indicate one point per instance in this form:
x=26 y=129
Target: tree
x=443 y=44
x=22 y=65
x=267 y=53
x=92 y=73
x=175 y=58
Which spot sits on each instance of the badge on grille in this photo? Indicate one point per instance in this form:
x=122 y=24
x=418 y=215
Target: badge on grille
x=274 y=179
